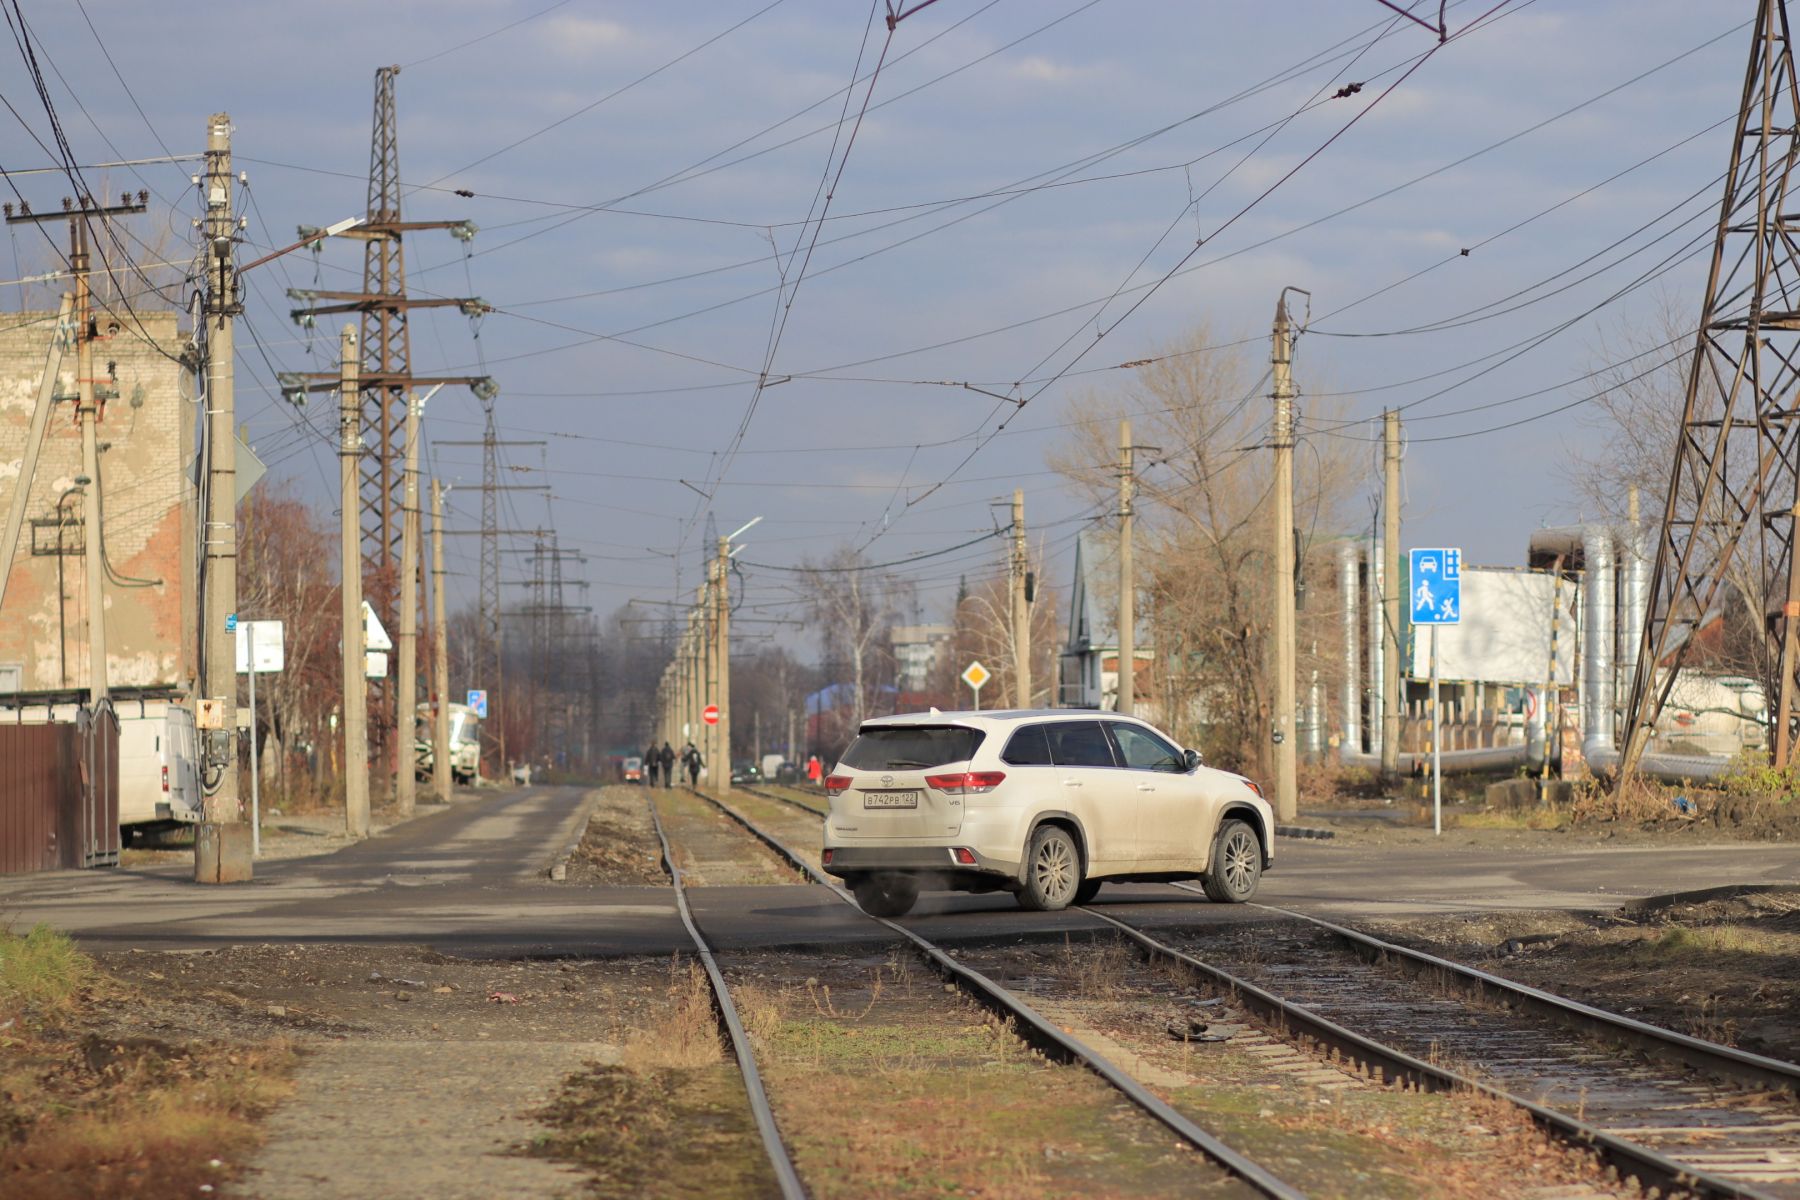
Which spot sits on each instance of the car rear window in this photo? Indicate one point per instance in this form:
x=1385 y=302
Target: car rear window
x=1027 y=748
x=911 y=747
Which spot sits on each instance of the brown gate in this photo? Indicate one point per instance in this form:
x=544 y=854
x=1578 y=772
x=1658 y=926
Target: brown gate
x=59 y=793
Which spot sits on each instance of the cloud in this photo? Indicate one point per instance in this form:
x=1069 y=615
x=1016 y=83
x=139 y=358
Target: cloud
x=1038 y=69
x=586 y=37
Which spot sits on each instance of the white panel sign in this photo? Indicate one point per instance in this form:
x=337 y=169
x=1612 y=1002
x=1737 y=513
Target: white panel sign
x=1504 y=635
x=270 y=646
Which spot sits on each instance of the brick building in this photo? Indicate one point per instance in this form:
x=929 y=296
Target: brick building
x=146 y=483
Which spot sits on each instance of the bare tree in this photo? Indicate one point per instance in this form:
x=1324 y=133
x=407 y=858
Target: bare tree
x=1205 y=536
x=1635 y=404
x=854 y=606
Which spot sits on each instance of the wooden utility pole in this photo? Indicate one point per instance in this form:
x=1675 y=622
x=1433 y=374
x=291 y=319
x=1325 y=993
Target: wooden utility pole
x=1282 y=659
x=441 y=781
x=1390 y=594
x=1127 y=695
x=356 y=697
x=1021 y=610
x=721 y=763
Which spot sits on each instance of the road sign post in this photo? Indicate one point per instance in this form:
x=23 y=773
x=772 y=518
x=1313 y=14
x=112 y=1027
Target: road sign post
x=478 y=703
x=260 y=647
x=1436 y=599
x=975 y=675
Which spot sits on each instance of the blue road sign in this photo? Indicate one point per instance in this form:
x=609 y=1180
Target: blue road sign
x=478 y=701
x=230 y=622
x=1436 y=586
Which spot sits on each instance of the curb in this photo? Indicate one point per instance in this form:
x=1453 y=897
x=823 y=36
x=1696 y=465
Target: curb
x=558 y=871
x=1303 y=831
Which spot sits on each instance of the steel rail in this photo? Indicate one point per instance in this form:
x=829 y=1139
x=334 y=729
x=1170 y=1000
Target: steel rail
x=1723 y=1062
x=1044 y=1034
x=1642 y=1163
x=1649 y=1168
x=785 y=1174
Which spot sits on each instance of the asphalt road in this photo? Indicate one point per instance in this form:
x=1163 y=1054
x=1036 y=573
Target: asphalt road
x=471 y=880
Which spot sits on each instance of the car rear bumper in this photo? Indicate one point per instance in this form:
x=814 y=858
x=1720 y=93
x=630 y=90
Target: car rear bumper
x=939 y=860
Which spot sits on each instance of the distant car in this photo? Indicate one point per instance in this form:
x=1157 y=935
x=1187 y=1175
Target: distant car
x=787 y=772
x=634 y=769
x=745 y=772
x=1046 y=805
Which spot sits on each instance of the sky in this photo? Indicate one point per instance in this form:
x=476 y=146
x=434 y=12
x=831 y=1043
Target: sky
x=648 y=180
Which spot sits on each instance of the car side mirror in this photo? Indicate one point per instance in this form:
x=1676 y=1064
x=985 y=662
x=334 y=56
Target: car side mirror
x=1192 y=759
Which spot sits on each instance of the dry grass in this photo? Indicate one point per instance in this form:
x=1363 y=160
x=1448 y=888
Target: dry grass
x=87 y=1114
x=1100 y=970
x=688 y=1035
x=1536 y=819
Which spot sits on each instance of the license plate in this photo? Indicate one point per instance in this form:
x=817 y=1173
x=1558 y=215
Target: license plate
x=890 y=799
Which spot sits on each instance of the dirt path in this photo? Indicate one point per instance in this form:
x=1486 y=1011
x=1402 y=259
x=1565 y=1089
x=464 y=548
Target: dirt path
x=438 y=1118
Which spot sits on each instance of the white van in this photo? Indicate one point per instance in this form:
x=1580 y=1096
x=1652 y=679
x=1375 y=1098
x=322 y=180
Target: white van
x=159 y=767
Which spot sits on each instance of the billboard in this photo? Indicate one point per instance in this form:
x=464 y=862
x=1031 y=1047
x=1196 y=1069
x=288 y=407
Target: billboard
x=1504 y=632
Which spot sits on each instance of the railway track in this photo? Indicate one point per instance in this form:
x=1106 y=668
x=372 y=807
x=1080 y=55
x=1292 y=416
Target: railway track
x=1044 y=1035
x=1677 y=1114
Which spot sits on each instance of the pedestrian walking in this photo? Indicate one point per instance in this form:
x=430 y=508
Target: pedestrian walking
x=813 y=770
x=691 y=757
x=666 y=757
x=648 y=775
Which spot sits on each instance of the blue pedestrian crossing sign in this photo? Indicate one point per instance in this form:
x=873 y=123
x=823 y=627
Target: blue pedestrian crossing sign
x=478 y=702
x=1436 y=582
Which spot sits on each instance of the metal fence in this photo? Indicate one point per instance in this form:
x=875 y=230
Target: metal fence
x=59 y=793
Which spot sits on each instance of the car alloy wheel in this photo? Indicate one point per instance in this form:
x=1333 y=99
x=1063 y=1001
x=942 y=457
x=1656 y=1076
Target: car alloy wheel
x=1242 y=860
x=1055 y=870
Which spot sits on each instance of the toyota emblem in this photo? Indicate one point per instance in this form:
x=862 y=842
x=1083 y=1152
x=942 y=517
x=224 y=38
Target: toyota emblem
x=887 y=779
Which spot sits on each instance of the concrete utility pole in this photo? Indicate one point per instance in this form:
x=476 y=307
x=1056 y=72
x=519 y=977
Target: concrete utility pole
x=406 y=696
x=356 y=696
x=440 y=652
x=1390 y=594
x=1287 y=795
x=222 y=845
x=87 y=414
x=1021 y=610
x=406 y=703
x=722 y=694
x=1127 y=578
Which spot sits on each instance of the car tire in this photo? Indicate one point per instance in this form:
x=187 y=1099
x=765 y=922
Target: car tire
x=1087 y=891
x=886 y=895
x=1236 y=864
x=1052 y=871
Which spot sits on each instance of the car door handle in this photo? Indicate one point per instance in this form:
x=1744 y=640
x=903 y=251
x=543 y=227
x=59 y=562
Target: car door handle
x=1146 y=787
x=1071 y=783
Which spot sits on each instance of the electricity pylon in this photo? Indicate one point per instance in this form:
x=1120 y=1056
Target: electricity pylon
x=1734 y=490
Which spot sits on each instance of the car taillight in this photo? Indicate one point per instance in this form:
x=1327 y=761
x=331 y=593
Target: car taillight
x=165 y=781
x=966 y=782
x=963 y=855
x=837 y=785
x=825 y=858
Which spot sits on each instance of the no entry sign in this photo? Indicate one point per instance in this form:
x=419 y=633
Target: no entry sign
x=710 y=714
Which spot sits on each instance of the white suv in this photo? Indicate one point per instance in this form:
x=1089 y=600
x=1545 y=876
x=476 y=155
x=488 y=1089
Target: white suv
x=1046 y=805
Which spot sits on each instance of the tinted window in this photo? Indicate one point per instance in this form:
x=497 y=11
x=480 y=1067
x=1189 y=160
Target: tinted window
x=1144 y=751
x=1079 y=744
x=910 y=747
x=1028 y=748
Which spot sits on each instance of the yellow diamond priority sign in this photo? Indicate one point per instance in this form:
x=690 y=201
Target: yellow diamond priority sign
x=976 y=675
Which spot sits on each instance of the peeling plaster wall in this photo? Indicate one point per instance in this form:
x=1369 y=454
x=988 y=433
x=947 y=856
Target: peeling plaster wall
x=147 y=490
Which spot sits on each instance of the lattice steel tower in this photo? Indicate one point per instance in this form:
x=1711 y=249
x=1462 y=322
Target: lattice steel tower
x=1734 y=490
